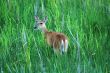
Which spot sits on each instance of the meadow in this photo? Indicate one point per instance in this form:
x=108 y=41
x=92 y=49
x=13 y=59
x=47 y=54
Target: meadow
x=85 y=22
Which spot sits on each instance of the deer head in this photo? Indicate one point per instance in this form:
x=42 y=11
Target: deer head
x=40 y=24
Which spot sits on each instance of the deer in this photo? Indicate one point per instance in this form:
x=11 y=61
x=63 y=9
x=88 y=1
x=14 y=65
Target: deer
x=58 y=41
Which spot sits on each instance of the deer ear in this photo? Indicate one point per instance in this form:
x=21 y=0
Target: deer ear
x=36 y=18
x=45 y=19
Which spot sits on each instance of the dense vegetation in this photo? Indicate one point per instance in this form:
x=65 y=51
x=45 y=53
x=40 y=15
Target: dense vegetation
x=85 y=22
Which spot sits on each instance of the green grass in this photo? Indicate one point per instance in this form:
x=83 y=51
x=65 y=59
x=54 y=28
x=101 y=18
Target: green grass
x=85 y=22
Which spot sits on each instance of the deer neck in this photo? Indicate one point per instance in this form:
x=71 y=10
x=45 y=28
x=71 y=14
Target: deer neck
x=44 y=30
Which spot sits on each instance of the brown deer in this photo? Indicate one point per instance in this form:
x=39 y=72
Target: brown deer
x=58 y=41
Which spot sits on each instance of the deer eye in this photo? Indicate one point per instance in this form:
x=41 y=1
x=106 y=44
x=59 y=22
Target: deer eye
x=41 y=23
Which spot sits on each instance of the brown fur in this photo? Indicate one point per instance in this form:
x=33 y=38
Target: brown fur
x=54 y=39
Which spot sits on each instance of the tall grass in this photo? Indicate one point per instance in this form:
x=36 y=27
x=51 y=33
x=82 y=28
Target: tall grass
x=85 y=22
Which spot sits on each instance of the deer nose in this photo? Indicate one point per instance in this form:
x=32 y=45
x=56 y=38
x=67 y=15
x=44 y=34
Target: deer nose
x=35 y=27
